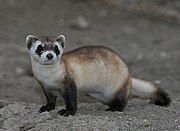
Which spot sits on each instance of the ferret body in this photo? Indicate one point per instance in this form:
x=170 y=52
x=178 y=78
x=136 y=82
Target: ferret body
x=96 y=70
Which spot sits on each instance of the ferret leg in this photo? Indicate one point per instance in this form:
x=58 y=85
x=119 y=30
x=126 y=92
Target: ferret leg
x=51 y=102
x=118 y=102
x=70 y=97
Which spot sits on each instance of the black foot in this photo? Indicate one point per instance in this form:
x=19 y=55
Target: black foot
x=118 y=102
x=64 y=112
x=48 y=107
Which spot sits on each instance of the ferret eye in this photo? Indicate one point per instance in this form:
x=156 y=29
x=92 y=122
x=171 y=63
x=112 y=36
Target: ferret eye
x=39 y=50
x=56 y=49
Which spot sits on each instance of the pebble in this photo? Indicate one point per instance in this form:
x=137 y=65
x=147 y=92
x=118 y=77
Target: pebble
x=80 y=24
x=145 y=123
x=3 y=103
x=102 y=13
x=164 y=54
x=27 y=126
x=157 y=82
x=140 y=56
x=19 y=70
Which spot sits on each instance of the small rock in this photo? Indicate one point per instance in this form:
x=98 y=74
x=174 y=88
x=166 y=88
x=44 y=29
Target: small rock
x=1 y=122
x=80 y=24
x=179 y=127
x=145 y=123
x=164 y=54
x=102 y=13
x=27 y=126
x=140 y=56
x=176 y=120
x=157 y=82
x=19 y=71
x=3 y=103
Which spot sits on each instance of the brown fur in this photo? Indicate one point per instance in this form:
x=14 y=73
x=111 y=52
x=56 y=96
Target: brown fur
x=126 y=86
x=84 y=56
x=48 y=40
x=89 y=53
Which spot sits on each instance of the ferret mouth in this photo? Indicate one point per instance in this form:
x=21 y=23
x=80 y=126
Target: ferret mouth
x=47 y=62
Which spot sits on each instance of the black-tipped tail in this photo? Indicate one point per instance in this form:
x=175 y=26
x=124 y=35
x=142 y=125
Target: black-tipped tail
x=147 y=90
x=161 y=98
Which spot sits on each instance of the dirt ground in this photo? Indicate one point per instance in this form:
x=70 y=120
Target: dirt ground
x=150 y=47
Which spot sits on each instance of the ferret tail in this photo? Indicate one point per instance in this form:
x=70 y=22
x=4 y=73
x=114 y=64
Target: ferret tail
x=146 y=90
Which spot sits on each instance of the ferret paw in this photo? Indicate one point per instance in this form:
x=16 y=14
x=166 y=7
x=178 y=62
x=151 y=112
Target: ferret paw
x=48 y=107
x=65 y=112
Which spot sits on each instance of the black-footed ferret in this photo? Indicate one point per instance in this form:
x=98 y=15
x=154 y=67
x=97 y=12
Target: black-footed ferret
x=96 y=70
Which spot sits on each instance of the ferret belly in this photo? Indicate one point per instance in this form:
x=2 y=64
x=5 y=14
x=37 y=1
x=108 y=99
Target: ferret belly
x=100 y=90
x=99 y=85
x=98 y=81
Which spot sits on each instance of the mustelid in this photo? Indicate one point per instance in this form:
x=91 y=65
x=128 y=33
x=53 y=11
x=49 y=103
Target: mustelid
x=96 y=70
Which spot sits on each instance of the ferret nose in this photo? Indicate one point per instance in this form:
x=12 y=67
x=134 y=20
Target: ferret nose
x=49 y=56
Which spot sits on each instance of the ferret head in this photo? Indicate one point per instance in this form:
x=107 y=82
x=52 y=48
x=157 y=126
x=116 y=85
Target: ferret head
x=45 y=50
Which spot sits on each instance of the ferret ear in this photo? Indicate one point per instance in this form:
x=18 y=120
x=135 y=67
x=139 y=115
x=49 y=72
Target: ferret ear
x=30 y=39
x=61 y=39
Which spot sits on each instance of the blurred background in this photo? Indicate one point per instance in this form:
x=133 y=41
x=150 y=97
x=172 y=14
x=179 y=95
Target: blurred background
x=145 y=33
